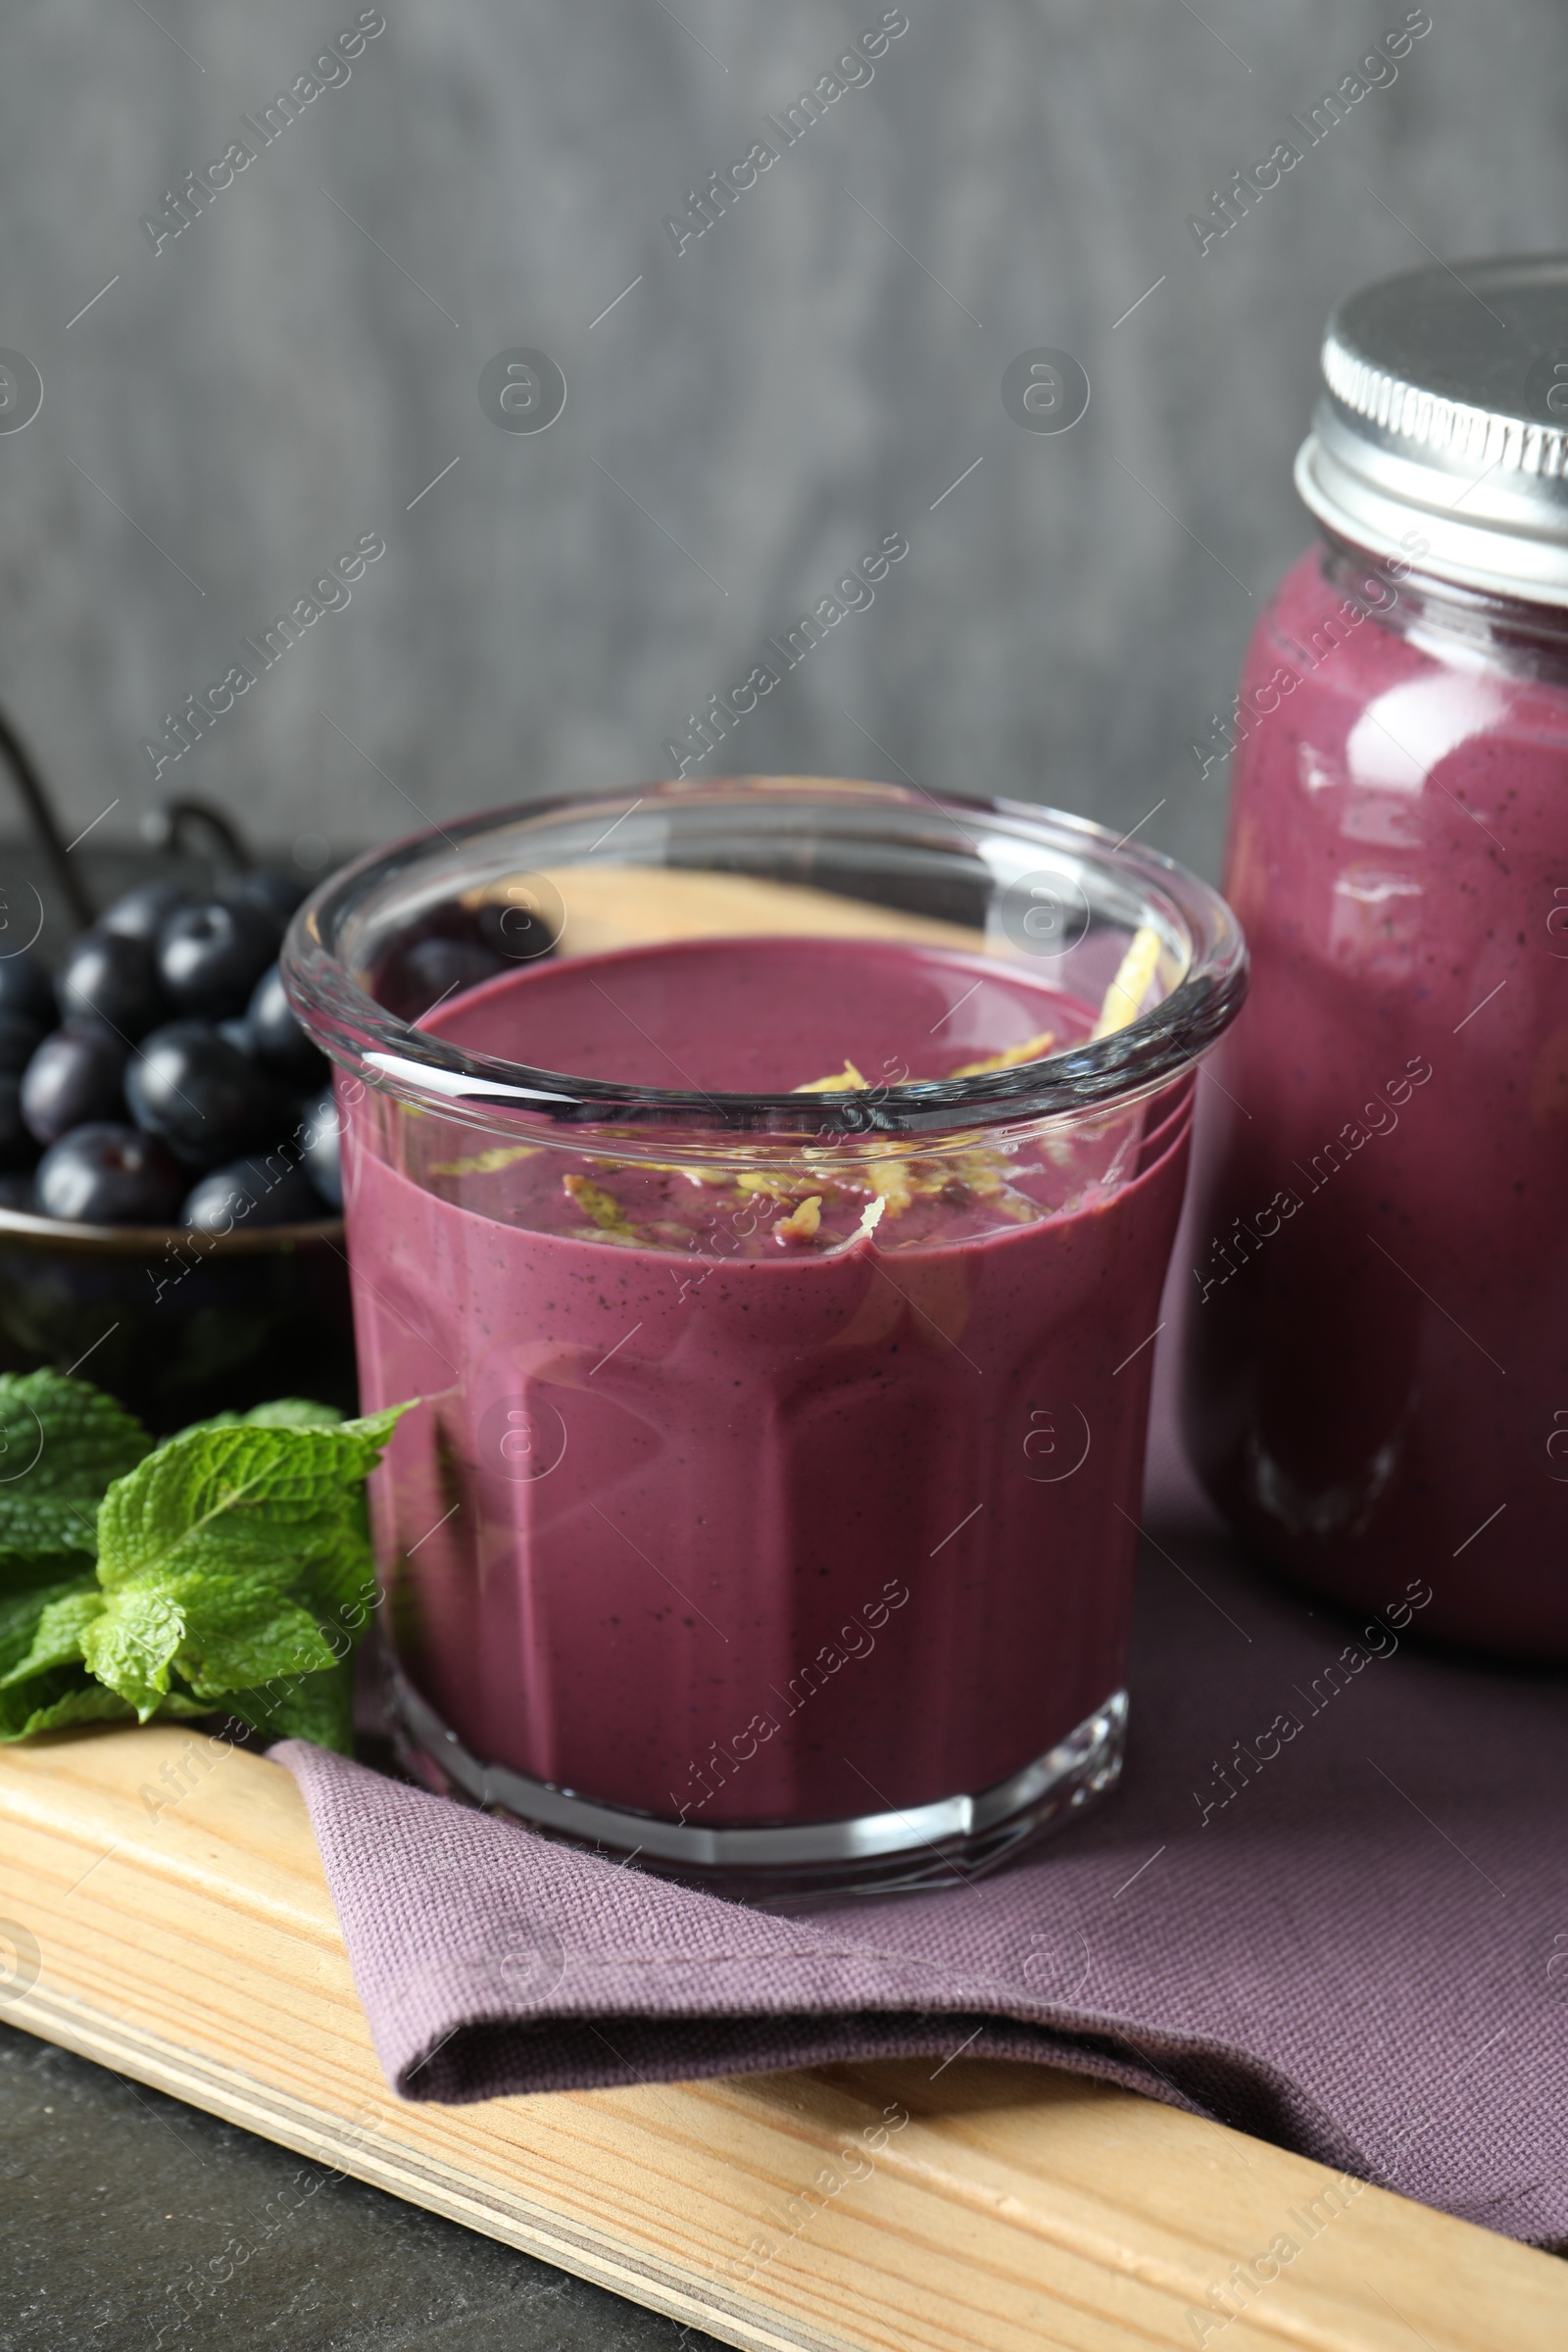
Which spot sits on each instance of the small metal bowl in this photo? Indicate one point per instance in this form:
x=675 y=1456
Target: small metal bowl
x=176 y=1324
x=179 y=1324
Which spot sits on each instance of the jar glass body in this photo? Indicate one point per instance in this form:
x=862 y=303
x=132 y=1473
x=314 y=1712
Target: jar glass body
x=790 y=1555
x=1376 y=1337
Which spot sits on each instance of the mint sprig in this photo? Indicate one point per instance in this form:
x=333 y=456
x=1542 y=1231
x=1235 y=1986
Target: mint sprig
x=62 y=1443
x=229 y=1568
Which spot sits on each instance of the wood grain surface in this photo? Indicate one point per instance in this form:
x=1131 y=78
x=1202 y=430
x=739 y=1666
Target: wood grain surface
x=193 y=1945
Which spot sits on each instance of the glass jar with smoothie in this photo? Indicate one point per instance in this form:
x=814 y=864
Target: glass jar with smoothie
x=767 y=1188
x=1376 y=1350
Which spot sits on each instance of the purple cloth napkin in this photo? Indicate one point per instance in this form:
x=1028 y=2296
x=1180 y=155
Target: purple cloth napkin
x=1361 y=1953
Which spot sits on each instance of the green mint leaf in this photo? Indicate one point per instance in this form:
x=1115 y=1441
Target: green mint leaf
x=234 y=1556
x=312 y=1706
x=284 y=1412
x=234 y=1562
x=44 y=1683
x=48 y=1702
x=61 y=1442
x=248 y=1636
x=241 y=1497
x=42 y=1680
x=60 y=1615
x=19 y=1613
x=132 y=1645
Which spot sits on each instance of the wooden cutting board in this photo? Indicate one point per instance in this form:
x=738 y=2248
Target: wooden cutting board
x=195 y=1948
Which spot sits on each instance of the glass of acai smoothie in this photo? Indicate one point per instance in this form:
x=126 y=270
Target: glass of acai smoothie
x=765 y=1187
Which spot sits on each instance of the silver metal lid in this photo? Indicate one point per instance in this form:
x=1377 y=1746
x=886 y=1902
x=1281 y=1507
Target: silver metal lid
x=1442 y=438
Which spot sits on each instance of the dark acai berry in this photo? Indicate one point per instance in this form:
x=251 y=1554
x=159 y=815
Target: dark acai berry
x=212 y=953
x=25 y=987
x=107 y=1174
x=258 y=1191
x=238 y=1034
x=273 y=889
x=141 y=914
x=435 y=969
x=318 y=1148
x=196 y=1093
x=21 y=1036
x=16 y=1190
x=110 y=978
x=17 y=1146
x=74 y=1077
x=277 y=1038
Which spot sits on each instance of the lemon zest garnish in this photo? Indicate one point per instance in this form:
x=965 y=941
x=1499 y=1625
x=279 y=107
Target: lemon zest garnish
x=984 y=1172
x=802 y=1224
x=890 y=1181
x=1126 y=992
x=847 y=1082
x=484 y=1163
x=713 y=1179
x=771 y=1188
x=599 y=1208
x=1032 y=1048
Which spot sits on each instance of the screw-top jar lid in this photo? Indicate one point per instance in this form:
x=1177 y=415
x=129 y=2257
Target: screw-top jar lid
x=1441 y=437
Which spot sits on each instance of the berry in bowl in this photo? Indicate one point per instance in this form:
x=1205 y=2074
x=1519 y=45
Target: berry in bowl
x=170 y=1204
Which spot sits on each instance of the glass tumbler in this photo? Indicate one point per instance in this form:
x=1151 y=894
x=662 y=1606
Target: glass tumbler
x=765 y=1188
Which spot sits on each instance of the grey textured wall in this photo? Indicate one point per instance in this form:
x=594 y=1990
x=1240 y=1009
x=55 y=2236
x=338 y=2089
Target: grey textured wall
x=811 y=374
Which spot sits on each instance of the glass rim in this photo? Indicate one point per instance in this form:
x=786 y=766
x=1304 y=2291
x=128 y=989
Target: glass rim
x=397 y=1056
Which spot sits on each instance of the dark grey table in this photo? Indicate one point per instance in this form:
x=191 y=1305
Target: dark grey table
x=112 y=2198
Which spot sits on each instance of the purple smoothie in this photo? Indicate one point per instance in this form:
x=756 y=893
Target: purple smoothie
x=724 y=1513
x=1377 y=1339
